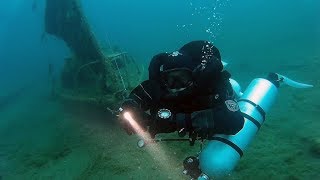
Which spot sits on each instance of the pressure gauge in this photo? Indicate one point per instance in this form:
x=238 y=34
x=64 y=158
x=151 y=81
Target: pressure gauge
x=164 y=113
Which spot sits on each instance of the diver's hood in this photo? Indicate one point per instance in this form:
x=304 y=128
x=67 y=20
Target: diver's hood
x=197 y=61
x=192 y=54
x=199 y=50
x=178 y=60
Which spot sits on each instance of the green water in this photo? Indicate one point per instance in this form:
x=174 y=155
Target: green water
x=42 y=138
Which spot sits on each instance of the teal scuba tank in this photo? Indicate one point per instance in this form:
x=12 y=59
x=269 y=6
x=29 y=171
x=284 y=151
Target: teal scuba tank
x=223 y=152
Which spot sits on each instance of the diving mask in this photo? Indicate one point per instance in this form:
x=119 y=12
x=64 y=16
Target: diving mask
x=177 y=79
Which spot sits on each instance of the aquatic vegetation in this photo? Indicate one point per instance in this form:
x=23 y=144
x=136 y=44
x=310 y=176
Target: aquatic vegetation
x=103 y=162
x=315 y=147
x=39 y=157
x=293 y=157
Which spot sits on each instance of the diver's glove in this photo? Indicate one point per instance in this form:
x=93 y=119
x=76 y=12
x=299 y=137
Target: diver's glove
x=161 y=126
x=130 y=114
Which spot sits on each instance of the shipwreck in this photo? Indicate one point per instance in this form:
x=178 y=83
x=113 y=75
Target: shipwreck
x=93 y=74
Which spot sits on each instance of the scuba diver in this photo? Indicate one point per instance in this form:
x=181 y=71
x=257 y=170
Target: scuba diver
x=187 y=91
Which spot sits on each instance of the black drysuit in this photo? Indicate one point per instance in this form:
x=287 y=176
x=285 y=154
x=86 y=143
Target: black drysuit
x=209 y=106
